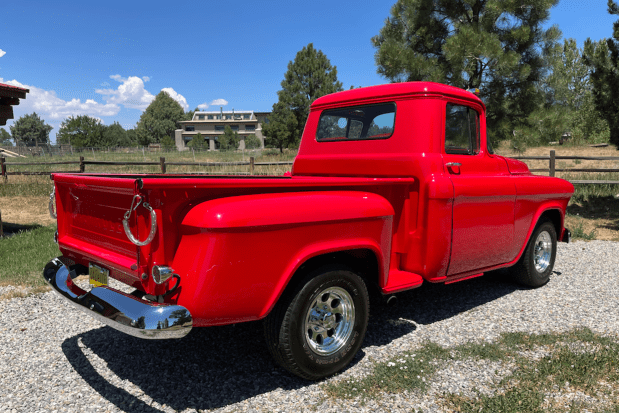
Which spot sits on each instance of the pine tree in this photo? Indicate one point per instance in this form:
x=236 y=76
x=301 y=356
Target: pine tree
x=493 y=45
x=603 y=58
x=229 y=140
x=198 y=142
x=309 y=77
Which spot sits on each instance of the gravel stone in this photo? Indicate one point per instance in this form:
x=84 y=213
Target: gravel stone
x=55 y=358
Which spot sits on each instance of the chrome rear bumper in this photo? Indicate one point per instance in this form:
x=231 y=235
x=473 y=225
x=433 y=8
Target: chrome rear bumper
x=123 y=312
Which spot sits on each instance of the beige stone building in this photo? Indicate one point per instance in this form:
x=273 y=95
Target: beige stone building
x=212 y=124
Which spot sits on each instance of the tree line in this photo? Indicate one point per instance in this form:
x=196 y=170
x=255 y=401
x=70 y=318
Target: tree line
x=536 y=88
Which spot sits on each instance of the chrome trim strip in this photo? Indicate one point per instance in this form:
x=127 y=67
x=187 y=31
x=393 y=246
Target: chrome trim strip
x=123 y=312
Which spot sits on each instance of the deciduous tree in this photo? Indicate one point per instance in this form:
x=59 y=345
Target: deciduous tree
x=252 y=142
x=31 y=130
x=114 y=135
x=5 y=138
x=309 y=77
x=159 y=119
x=603 y=58
x=80 y=131
x=493 y=45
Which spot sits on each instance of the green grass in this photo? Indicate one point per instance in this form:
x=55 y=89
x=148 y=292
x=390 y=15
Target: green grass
x=24 y=254
x=580 y=358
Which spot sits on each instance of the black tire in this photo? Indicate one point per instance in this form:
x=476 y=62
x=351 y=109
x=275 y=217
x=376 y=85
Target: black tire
x=538 y=260
x=343 y=323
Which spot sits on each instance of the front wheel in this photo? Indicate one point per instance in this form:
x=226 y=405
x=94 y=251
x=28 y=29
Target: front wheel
x=316 y=329
x=534 y=267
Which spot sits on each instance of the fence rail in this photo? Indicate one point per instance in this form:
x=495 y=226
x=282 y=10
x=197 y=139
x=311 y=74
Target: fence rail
x=4 y=172
x=552 y=169
x=251 y=164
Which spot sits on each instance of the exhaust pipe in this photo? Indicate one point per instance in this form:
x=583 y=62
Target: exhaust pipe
x=391 y=301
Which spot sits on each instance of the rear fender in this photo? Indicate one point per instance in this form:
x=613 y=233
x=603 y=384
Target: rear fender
x=241 y=252
x=286 y=209
x=325 y=248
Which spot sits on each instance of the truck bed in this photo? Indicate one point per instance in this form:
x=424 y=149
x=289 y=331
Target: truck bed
x=91 y=207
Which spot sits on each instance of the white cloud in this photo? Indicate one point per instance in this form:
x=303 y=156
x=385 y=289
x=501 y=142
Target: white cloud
x=219 y=102
x=176 y=96
x=2 y=52
x=131 y=93
x=47 y=104
x=145 y=78
x=203 y=106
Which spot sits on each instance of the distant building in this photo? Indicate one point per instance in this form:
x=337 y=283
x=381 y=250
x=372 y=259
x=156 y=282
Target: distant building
x=212 y=124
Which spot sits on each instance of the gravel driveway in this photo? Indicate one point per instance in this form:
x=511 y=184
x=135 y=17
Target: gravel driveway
x=54 y=358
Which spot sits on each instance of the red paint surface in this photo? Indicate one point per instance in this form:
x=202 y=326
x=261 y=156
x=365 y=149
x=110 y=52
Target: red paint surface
x=237 y=241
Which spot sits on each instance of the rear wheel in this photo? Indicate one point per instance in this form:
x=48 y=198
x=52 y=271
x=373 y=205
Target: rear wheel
x=536 y=264
x=316 y=329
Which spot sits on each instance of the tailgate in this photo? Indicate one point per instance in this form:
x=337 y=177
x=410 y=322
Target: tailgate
x=90 y=212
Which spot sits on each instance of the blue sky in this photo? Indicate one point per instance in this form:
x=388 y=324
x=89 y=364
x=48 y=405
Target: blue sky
x=109 y=59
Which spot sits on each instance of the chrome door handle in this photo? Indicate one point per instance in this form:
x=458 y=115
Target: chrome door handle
x=450 y=164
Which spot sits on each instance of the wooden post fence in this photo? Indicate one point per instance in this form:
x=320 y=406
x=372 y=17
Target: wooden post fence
x=552 y=163
x=3 y=170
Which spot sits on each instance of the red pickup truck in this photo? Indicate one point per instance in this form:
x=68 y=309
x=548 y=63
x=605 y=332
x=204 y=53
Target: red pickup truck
x=393 y=185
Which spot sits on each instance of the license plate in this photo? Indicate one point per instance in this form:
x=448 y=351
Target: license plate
x=98 y=275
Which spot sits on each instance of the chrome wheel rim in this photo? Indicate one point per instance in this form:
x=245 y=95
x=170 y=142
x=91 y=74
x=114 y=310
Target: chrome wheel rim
x=329 y=321
x=542 y=251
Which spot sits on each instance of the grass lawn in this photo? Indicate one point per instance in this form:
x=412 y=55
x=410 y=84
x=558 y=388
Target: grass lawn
x=24 y=254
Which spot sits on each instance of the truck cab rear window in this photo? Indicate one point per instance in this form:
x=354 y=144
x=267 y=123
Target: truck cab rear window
x=356 y=123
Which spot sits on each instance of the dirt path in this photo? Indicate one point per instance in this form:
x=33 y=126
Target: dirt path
x=25 y=210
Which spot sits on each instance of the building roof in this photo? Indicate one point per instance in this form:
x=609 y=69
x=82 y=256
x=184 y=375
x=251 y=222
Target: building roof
x=393 y=90
x=227 y=112
x=9 y=97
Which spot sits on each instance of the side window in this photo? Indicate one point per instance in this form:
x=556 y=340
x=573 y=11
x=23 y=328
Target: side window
x=356 y=123
x=461 y=130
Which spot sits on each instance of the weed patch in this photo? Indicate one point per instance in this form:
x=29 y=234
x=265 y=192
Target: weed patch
x=578 y=232
x=578 y=362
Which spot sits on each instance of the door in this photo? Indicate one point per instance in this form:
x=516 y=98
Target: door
x=484 y=194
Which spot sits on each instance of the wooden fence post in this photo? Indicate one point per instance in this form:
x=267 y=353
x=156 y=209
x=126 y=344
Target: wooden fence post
x=251 y=165
x=82 y=165
x=3 y=169
x=162 y=163
x=1 y=230
x=552 y=163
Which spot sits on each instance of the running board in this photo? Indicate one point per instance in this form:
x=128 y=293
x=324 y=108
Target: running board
x=401 y=281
